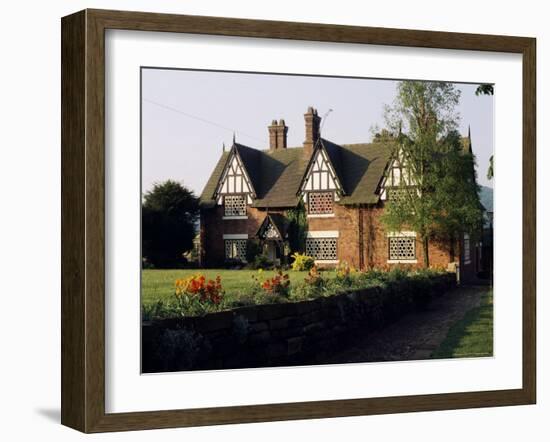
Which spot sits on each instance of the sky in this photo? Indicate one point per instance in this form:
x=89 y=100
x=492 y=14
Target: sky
x=187 y=116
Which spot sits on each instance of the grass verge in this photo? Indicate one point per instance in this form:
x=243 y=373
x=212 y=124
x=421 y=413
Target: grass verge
x=472 y=336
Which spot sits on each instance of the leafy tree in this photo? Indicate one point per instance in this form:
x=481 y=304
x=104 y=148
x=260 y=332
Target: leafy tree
x=442 y=201
x=485 y=89
x=169 y=215
x=297 y=228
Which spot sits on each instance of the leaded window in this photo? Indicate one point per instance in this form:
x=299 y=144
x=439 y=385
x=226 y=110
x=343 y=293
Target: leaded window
x=234 y=205
x=402 y=248
x=235 y=249
x=397 y=194
x=320 y=203
x=322 y=249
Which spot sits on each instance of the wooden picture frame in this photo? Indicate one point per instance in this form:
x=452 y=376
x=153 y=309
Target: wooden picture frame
x=83 y=220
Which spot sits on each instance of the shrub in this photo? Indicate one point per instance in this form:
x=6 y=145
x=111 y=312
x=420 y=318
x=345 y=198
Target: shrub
x=152 y=311
x=146 y=264
x=345 y=274
x=302 y=262
x=233 y=263
x=314 y=278
x=312 y=287
x=253 y=249
x=262 y=262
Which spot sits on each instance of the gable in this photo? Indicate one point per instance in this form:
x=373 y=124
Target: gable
x=398 y=174
x=268 y=230
x=234 y=179
x=320 y=174
x=273 y=227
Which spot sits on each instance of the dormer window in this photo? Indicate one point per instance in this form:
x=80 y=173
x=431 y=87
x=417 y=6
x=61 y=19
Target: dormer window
x=320 y=203
x=234 y=205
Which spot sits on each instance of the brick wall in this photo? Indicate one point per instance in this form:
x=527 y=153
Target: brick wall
x=213 y=227
x=346 y=220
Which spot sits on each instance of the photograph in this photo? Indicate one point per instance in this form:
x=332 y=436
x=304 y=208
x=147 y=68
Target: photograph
x=299 y=220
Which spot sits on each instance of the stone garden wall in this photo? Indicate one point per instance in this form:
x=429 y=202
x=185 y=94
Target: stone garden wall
x=280 y=334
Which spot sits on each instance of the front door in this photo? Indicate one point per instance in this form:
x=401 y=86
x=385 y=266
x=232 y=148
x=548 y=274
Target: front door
x=271 y=250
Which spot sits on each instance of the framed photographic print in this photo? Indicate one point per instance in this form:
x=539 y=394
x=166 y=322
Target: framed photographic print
x=268 y=221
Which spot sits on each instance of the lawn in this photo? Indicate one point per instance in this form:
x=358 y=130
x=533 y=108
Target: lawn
x=159 y=284
x=472 y=336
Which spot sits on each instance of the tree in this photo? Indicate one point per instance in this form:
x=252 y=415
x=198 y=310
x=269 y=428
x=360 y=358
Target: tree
x=297 y=228
x=169 y=215
x=441 y=200
x=485 y=89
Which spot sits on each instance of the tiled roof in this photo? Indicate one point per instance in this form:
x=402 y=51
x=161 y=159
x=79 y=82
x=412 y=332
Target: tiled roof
x=207 y=195
x=277 y=174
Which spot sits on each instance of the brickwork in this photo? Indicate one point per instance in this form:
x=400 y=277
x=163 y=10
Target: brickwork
x=346 y=220
x=213 y=227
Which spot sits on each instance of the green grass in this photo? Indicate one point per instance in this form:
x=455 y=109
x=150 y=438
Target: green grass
x=159 y=284
x=472 y=336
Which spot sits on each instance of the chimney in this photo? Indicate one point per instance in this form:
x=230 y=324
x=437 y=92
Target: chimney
x=277 y=135
x=281 y=135
x=312 y=130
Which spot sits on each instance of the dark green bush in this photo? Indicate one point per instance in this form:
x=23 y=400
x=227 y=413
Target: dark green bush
x=253 y=249
x=262 y=262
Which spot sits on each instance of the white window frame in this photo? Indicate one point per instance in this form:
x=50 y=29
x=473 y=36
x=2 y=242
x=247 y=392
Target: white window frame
x=325 y=234
x=242 y=195
x=234 y=237
x=404 y=234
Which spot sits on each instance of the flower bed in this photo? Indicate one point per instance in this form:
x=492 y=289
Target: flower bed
x=303 y=329
x=197 y=295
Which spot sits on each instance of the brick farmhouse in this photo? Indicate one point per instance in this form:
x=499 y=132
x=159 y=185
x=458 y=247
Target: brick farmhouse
x=343 y=187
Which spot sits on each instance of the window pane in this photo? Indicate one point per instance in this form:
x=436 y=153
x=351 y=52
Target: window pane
x=322 y=249
x=402 y=248
x=235 y=249
x=235 y=205
x=320 y=203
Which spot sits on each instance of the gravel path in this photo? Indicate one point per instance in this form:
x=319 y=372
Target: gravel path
x=416 y=335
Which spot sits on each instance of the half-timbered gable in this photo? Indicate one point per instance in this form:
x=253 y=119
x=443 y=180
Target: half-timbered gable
x=320 y=175
x=321 y=186
x=235 y=190
x=274 y=228
x=235 y=179
x=398 y=178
